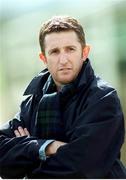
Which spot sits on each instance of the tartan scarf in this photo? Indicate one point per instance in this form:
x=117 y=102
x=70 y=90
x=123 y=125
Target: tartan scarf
x=49 y=119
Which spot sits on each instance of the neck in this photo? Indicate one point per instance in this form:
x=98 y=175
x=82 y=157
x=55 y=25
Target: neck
x=59 y=87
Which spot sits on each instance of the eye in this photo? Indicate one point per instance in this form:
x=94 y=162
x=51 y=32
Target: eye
x=55 y=51
x=71 y=49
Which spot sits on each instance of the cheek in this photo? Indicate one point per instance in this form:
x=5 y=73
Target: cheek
x=77 y=66
x=78 y=62
x=51 y=67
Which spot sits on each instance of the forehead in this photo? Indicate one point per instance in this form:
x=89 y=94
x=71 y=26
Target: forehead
x=59 y=39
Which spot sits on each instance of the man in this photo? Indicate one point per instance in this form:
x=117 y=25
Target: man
x=71 y=123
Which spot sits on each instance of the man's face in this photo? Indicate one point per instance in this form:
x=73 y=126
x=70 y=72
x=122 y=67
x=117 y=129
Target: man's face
x=63 y=56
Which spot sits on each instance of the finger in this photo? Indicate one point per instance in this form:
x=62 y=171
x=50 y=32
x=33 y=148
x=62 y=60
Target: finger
x=26 y=132
x=17 y=134
x=21 y=131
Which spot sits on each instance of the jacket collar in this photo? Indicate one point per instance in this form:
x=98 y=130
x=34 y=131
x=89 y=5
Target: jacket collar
x=36 y=85
x=86 y=74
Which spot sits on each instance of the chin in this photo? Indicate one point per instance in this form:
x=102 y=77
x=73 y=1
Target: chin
x=66 y=81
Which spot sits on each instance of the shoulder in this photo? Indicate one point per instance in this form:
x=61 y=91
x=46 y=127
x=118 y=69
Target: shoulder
x=101 y=90
x=37 y=83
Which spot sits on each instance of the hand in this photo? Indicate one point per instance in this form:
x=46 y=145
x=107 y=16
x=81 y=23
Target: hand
x=21 y=132
x=53 y=147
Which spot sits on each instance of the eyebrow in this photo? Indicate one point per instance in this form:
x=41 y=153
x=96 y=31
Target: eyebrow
x=57 y=48
x=53 y=49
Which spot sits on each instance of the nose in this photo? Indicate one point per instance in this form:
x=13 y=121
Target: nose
x=63 y=58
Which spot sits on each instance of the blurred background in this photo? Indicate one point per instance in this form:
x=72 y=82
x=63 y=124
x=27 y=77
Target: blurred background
x=20 y=20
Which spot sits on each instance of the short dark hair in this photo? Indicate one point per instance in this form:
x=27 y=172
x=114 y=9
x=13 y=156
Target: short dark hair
x=59 y=24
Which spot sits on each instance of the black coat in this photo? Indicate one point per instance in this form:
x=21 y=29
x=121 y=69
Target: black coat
x=93 y=127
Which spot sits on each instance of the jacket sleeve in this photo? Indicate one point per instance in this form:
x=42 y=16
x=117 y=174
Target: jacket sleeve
x=94 y=146
x=18 y=155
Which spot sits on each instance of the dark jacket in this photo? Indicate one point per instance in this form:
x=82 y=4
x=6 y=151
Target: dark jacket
x=93 y=128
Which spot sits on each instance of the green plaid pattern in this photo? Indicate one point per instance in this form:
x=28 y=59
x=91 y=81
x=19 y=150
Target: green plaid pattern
x=49 y=120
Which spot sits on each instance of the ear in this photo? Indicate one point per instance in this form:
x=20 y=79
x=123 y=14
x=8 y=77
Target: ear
x=43 y=58
x=86 y=51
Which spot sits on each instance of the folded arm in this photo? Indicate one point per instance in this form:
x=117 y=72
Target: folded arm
x=19 y=155
x=50 y=149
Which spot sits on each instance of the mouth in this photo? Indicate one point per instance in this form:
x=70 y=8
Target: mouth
x=65 y=69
